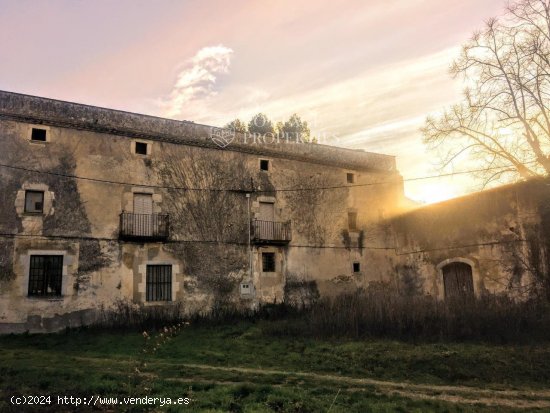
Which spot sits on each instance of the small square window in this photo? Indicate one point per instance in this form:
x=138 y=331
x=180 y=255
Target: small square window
x=141 y=148
x=352 y=220
x=268 y=262
x=356 y=267
x=264 y=165
x=38 y=134
x=34 y=202
x=350 y=178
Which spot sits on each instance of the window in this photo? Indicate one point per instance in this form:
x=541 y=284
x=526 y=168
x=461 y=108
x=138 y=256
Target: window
x=350 y=178
x=264 y=165
x=352 y=220
x=268 y=261
x=141 y=148
x=159 y=283
x=38 y=135
x=356 y=267
x=45 y=275
x=34 y=202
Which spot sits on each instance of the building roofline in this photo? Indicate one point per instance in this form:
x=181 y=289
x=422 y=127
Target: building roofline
x=508 y=187
x=55 y=112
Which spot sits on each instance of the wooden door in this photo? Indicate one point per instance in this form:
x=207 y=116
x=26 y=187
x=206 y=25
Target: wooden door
x=458 y=280
x=143 y=214
x=267 y=218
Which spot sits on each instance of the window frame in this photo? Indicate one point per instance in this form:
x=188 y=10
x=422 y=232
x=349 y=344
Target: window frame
x=270 y=262
x=35 y=212
x=145 y=146
x=42 y=131
x=46 y=270
x=162 y=286
x=267 y=163
x=352 y=220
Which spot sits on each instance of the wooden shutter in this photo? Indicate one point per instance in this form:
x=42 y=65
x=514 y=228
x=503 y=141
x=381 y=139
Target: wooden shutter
x=267 y=211
x=143 y=204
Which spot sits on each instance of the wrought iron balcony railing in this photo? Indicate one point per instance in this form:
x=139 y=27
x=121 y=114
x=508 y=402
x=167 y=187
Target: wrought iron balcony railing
x=144 y=227
x=271 y=232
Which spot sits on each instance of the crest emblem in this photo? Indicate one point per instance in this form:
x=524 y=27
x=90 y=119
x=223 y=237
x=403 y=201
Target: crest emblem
x=222 y=137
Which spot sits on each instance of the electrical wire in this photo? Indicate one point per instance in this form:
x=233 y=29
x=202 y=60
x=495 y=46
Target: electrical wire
x=245 y=244
x=240 y=190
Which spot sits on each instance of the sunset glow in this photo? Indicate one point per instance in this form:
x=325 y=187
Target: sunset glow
x=364 y=74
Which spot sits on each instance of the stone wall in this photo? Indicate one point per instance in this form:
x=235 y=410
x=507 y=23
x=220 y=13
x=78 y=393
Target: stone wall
x=90 y=173
x=493 y=231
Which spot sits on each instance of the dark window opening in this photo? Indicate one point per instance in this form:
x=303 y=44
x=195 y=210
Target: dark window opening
x=45 y=275
x=268 y=262
x=264 y=164
x=350 y=178
x=34 y=201
x=352 y=220
x=356 y=267
x=159 y=283
x=141 y=148
x=38 y=135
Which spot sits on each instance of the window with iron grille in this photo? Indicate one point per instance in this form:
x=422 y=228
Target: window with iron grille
x=159 y=283
x=268 y=262
x=34 y=201
x=45 y=275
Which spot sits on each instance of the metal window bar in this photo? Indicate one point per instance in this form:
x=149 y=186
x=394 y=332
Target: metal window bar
x=45 y=275
x=271 y=230
x=159 y=283
x=268 y=262
x=144 y=225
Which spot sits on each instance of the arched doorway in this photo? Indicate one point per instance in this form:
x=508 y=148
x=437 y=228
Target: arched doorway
x=458 y=280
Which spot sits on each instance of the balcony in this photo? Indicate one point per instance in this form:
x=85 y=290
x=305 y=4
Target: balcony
x=270 y=232
x=144 y=227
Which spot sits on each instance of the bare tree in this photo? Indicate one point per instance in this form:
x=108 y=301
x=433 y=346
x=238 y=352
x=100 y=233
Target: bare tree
x=207 y=206
x=205 y=196
x=503 y=121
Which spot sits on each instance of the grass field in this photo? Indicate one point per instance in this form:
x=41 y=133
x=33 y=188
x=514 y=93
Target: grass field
x=241 y=368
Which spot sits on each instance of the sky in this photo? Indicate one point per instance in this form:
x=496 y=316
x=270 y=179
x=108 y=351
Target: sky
x=363 y=73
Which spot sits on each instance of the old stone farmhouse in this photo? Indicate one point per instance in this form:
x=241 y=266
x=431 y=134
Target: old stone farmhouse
x=99 y=206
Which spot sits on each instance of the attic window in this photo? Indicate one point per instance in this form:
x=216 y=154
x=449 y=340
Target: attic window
x=350 y=178
x=141 y=148
x=38 y=135
x=356 y=267
x=264 y=165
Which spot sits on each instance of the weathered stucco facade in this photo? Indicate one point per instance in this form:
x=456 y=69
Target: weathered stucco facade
x=500 y=234
x=79 y=191
x=99 y=206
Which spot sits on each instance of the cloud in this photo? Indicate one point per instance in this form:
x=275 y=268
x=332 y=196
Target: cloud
x=197 y=78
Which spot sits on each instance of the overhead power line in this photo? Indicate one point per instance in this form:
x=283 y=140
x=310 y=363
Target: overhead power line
x=245 y=244
x=241 y=190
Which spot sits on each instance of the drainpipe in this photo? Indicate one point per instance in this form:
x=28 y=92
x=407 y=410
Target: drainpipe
x=249 y=243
